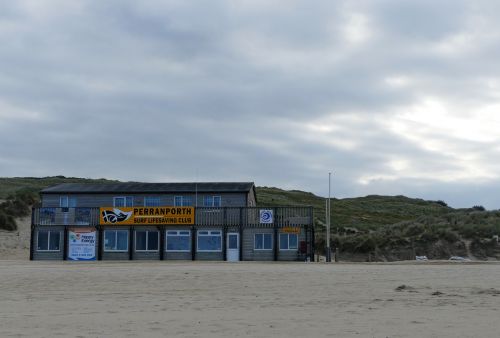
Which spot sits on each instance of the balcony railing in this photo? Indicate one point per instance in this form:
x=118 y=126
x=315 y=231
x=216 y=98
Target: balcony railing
x=204 y=216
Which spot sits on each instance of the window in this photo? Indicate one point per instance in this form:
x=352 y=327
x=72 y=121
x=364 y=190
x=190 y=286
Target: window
x=116 y=240
x=146 y=240
x=263 y=242
x=210 y=240
x=178 y=240
x=67 y=202
x=48 y=240
x=123 y=201
x=152 y=201
x=183 y=201
x=212 y=201
x=288 y=241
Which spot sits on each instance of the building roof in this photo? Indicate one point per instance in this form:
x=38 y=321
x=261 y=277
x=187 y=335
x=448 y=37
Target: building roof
x=149 y=188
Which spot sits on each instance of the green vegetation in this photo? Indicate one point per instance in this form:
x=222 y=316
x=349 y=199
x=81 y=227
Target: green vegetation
x=20 y=193
x=10 y=185
x=397 y=227
x=363 y=213
x=17 y=205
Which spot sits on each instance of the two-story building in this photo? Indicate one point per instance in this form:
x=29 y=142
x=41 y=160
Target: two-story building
x=167 y=221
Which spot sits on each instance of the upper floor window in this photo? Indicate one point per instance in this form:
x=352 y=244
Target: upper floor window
x=67 y=202
x=212 y=201
x=123 y=201
x=152 y=201
x=183 y=201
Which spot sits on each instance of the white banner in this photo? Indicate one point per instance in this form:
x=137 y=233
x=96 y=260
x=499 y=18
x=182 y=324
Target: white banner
x=81 y=244
x=266 y=216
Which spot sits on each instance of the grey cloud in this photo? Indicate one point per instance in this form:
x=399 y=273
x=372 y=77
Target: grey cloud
x=161 y=90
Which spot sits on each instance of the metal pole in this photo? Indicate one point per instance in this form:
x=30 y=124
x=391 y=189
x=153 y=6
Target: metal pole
x=328 y=249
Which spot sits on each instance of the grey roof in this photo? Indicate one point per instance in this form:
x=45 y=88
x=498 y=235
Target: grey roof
x=137 y=188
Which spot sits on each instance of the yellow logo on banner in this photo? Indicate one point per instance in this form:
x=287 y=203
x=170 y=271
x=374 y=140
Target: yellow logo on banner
x=291 y=230
x=146 y=215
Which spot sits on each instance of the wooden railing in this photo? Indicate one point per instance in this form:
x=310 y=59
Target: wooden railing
x=204 y=216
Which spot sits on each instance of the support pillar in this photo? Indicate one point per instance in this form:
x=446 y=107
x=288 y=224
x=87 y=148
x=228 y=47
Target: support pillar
x=131 y=244
x=162 y=242
x=65 y=245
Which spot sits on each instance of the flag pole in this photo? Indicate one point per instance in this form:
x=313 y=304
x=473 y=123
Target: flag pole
x=328 y=214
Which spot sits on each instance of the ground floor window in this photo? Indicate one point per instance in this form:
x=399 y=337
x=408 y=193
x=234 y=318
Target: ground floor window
x=48 y=240
x=209 y=240
x=146 y=240
x=263 y=242
x=178 y=240
x=288 y=241
x=116 y=240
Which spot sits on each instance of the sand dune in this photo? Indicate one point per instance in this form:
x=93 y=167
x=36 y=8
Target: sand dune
x=192 y=299
x=16 y=244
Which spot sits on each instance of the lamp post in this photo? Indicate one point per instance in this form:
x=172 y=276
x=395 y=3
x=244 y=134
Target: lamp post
x=328 y=213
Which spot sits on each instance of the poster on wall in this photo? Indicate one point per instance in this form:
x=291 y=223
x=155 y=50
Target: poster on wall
x=266 y=216
x=81 y=244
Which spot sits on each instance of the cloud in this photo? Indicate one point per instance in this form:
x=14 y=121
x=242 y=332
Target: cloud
x=394 y=97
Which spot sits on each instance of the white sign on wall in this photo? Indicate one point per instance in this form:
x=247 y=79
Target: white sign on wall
x=81 y=244
x=266 y=216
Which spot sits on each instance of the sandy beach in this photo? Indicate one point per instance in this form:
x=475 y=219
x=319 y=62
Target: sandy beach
x=158 y=299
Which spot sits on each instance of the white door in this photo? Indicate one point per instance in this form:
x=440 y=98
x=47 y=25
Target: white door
x=233 y=246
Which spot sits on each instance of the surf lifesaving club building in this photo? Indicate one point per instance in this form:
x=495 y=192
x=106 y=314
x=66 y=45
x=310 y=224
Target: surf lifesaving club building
x=167 y=221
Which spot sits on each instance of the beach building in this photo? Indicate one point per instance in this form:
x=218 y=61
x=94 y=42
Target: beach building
x=167 y=221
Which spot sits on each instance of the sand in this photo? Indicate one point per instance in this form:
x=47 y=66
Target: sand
x=194 y=299
x=16 y=244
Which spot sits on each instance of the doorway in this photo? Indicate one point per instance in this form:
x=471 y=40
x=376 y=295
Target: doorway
x=233 y=246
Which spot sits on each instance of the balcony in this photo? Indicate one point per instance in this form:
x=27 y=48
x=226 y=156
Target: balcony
x=204 y=216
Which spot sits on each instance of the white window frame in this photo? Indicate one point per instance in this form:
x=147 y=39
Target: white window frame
x=147 y=241
x=64 y=204
x=48 y=240
x=124 y=197
x=183 y=199
x=155 y=197
x=67 y=201
x=212 y=198
x=262 y=234
x=210 y=233
x=288 y=242
x=116 y=240
x=180 y=235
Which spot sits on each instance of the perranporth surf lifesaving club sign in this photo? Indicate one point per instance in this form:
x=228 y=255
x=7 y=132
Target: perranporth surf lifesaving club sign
x=146 y=215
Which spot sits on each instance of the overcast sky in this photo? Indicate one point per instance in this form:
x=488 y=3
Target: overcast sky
x=394 y=97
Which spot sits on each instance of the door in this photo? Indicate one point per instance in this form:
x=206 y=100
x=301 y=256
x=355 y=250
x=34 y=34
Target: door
x=233 y=247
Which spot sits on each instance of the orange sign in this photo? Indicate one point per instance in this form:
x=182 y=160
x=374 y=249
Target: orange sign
x=146 y=215
x=291 y=230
